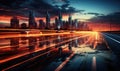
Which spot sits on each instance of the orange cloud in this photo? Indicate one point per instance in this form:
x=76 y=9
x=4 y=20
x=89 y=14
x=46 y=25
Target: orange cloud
x=5 y=19
x=104 y=27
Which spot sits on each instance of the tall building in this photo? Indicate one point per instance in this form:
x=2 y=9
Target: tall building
x=32 y=23
x=76 y=23
x=47 y=21
x=60 y=24
x=14 y=22
x=56 y=23
x=70 y=21
x=41 y=24
x=65 y=25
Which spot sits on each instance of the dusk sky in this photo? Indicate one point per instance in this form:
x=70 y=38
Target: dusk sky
x=83 y=10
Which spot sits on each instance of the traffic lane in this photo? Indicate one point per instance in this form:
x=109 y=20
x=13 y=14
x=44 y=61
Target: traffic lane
x=22 y=53
x=115 y=47
x=27 y=62
x=110 y=61
x=74 y=64
x=52 y=61
x=104 y=61
x=16 y=60
x=92 y=62
x=71 y=40
x=113 y=35
x=81 y=62
x=113 y=44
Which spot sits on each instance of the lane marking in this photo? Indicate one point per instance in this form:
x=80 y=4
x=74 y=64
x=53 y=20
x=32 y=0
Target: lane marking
x=64 y=63
x=113 y=39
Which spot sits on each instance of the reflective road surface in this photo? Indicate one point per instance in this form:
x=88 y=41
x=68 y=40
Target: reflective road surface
x=61 y=51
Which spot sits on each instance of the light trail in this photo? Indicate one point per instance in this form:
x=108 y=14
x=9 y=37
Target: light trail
x=59 y=43
x=96 y=39
x=19 y=44
x=48 y=34
x=89 y=39
x=22 y=45
x=64 y=63
x=32 y=35
x=10 y=58
x=39 y=55
x=95 y=44
x=30 y=59
x=105 y=41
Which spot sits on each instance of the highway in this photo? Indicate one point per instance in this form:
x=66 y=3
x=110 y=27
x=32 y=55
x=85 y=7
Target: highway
x=77 y=51
x=86 y=59
x=113 y=41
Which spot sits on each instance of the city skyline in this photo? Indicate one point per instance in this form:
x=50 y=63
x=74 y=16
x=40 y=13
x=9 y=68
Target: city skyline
x=59 y=23
x=59 y=35
x=88 y=11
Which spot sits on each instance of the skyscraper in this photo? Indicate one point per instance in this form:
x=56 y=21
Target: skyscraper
x=32 y=23
x=41 y=24
x=56 y=23
x=60 y=24
x=47 y=21
x=76 y=23
x=70 y=21
x=14 y=22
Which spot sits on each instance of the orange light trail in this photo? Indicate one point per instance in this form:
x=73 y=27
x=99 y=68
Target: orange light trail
x=4 y=60
x=21 y=45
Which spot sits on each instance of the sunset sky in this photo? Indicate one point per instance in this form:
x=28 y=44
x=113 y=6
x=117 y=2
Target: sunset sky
x=95 y=12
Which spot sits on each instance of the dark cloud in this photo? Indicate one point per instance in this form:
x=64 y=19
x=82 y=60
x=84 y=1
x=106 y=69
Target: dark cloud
x=111 y=18
x=64 y=1
x=22 y=7
x=65 y=6
x=96 y=14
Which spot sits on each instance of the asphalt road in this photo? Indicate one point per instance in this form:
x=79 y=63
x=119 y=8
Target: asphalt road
x=105 y=56
x=113 y=41
x=101 y=59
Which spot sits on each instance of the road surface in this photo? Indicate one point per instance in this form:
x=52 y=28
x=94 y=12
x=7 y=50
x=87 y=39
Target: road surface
x=78 y=51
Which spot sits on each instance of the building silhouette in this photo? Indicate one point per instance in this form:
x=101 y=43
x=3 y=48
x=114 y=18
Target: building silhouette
x=32 y=23
x=14 y=22
x=47 y=21
x=23 y=26
x=65 y=25
x=56 y=23
x=70 y=21
x=76 y=24
x=41 y=24
x=60 y=24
